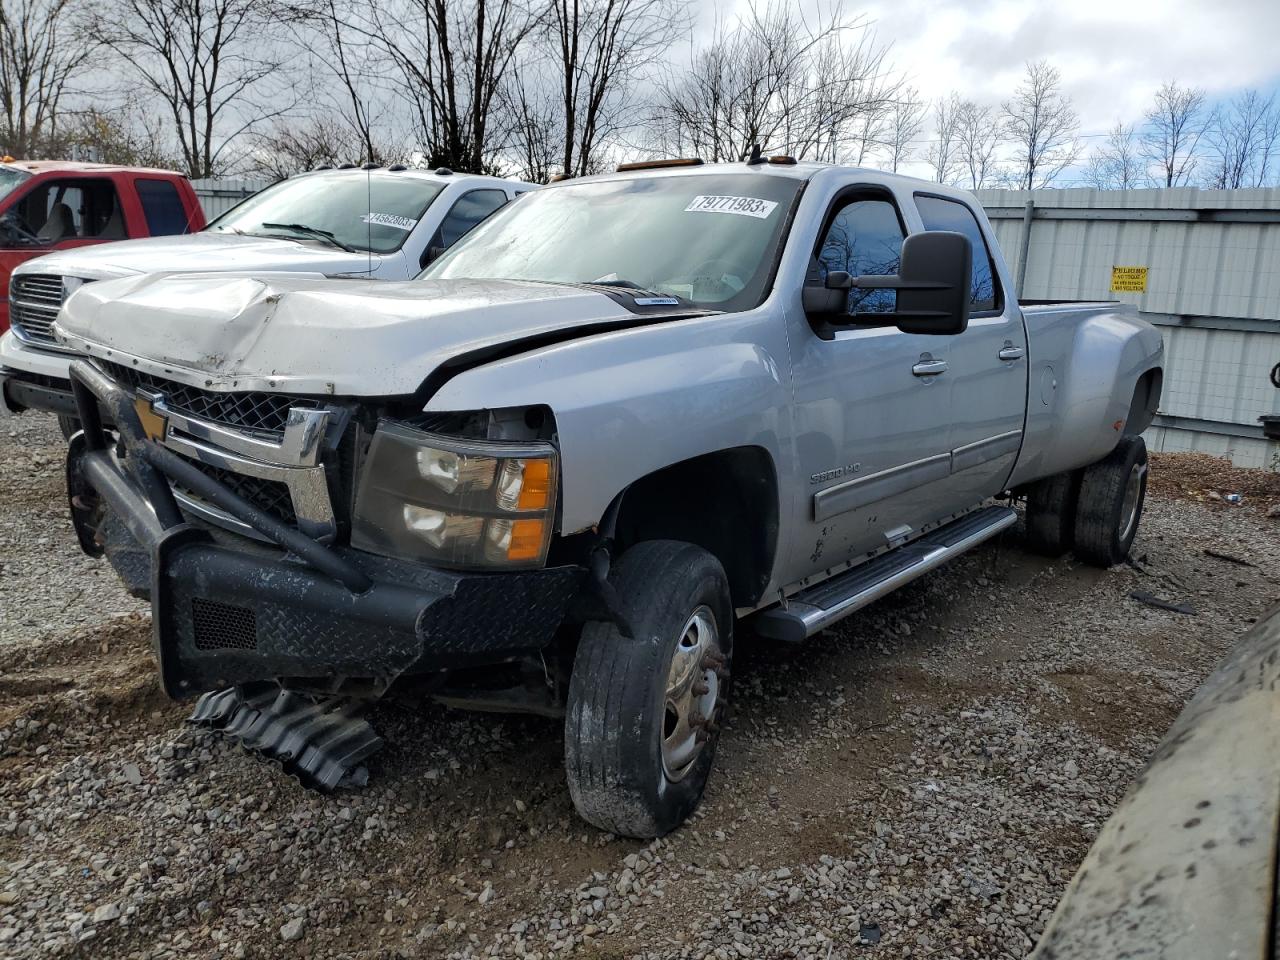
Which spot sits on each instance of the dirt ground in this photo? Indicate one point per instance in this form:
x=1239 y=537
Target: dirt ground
x=920 y=782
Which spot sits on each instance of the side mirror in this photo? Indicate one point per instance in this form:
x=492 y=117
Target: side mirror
x=431 y=255
x=932 y=282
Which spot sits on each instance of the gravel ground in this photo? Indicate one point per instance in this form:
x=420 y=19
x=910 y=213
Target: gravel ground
x=920 y=782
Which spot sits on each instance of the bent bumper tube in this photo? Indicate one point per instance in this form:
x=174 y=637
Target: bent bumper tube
x=226 y=615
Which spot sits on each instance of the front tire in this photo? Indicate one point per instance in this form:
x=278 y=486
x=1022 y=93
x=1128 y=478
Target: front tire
x=1112 y=494
x=644 y=712
x=68 y=425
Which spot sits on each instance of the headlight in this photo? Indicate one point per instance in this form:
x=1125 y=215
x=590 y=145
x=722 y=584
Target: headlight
x=456 y=503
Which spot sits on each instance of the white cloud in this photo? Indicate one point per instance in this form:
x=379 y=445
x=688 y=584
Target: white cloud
x=1113 y=54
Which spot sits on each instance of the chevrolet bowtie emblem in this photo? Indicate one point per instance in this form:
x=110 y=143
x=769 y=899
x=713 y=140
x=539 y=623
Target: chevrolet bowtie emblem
x=154 y=422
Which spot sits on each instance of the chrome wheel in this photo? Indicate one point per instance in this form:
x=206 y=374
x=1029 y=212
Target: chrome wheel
x=692 y=692
x=1132 y=496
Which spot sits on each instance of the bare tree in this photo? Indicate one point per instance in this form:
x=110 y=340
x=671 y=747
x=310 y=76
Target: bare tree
x=906 y=120
x=1118 y=163
x=292 y=146
x=1243 y=139
x=450 y=62
x=357 y=94
x=944 y=152
x=1176 y=122
x=977 y=141
x=1041 y=124
x=535 y=121
x=129 y=132
x=209 y=62
x=43 y=50
x=600 y=48
x=774 y=79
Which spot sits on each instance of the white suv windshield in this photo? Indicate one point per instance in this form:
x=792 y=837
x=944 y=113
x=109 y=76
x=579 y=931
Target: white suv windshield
x=356 y=209
x=709 y=239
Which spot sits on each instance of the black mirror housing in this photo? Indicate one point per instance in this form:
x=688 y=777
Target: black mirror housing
x=936 y=271
x=932 y=283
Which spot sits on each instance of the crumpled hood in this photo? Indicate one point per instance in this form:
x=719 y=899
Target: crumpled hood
x=304 y=334
x=206 y=252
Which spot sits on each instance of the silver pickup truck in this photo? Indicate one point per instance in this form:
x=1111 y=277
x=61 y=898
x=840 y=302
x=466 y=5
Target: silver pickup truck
x=618 y=421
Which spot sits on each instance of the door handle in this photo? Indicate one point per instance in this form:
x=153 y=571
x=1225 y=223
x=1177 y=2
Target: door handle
x=929 y=368
x=1010 y=352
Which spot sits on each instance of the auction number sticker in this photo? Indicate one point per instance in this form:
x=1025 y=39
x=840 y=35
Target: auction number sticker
x=742 y=206
x=390 y=220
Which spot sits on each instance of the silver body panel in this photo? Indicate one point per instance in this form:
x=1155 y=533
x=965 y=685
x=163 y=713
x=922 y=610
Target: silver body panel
x=867 y=449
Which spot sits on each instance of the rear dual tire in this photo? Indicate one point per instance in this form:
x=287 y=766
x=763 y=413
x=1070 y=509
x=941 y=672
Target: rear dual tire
x=1093 y=512
x=1113 y=492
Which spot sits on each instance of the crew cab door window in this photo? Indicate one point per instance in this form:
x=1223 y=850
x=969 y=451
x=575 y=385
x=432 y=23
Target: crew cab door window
x=59 y=210
x=470 y=209
x=864 y=237
x=162 y=207
x=942 y=214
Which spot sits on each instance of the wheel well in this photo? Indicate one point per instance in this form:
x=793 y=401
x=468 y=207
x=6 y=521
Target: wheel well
x=1145 y=402
x=725 y=502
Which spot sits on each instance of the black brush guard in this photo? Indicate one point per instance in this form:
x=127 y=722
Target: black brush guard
x=325 y=615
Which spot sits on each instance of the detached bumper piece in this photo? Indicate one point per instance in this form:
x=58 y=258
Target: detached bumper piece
x=21 y=391
x=227 y=611
x=322 y=743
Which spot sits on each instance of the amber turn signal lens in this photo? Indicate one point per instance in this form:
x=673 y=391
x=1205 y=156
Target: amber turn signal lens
x=535 y=490
x=526 y=540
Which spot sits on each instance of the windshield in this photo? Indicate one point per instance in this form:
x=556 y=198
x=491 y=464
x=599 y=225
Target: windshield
x=711 y=240
x=10 y=177
x=358 y=209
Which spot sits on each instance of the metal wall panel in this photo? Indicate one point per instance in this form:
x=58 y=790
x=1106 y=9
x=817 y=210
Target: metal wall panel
x=219 y=196
x=1213 y=287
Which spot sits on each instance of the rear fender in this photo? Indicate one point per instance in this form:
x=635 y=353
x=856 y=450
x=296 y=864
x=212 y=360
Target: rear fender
x=1081 y=392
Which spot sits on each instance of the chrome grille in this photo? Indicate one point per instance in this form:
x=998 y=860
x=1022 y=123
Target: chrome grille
x=269 y=495
x=34 y=302
x=255 y=412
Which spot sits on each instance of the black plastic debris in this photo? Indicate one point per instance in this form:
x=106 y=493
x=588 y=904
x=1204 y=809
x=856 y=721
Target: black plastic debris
x=320 y=741
x=870 y=933
x=1151 y=600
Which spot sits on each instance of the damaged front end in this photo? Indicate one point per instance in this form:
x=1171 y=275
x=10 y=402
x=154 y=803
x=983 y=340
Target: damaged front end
x=279 y=540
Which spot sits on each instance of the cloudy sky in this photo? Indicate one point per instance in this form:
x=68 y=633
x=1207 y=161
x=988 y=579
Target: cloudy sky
x=1113 y=54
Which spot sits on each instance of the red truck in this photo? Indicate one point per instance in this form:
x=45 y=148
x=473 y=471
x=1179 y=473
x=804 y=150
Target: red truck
x=48 y=205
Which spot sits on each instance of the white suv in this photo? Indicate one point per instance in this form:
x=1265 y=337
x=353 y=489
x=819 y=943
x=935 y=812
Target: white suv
x=372 y=223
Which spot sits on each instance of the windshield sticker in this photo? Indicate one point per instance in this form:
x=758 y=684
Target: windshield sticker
x=656 y=301
x=389 y=220
x=742 y=206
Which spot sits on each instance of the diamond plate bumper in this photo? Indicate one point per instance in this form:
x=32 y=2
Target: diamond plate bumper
x=230 y=613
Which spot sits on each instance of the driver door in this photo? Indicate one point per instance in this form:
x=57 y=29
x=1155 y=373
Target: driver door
x=872 y=405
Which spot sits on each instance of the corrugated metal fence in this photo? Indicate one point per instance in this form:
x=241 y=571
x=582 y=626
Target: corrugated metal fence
x=1205 y=268
x=219 y=196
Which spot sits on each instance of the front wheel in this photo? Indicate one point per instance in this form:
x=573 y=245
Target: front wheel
x=644 y=712
x=68 y=426
x=1112 y=494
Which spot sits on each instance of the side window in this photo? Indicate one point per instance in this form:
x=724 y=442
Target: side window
x=940 y=214
x=467 y=211
x=162 y=206
x=864 y=237
x=72 y=209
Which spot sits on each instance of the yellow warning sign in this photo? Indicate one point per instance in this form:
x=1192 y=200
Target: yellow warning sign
x=1128 y=279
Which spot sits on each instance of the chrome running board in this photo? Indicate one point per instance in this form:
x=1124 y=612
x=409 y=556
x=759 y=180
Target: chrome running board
x=821 y=605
